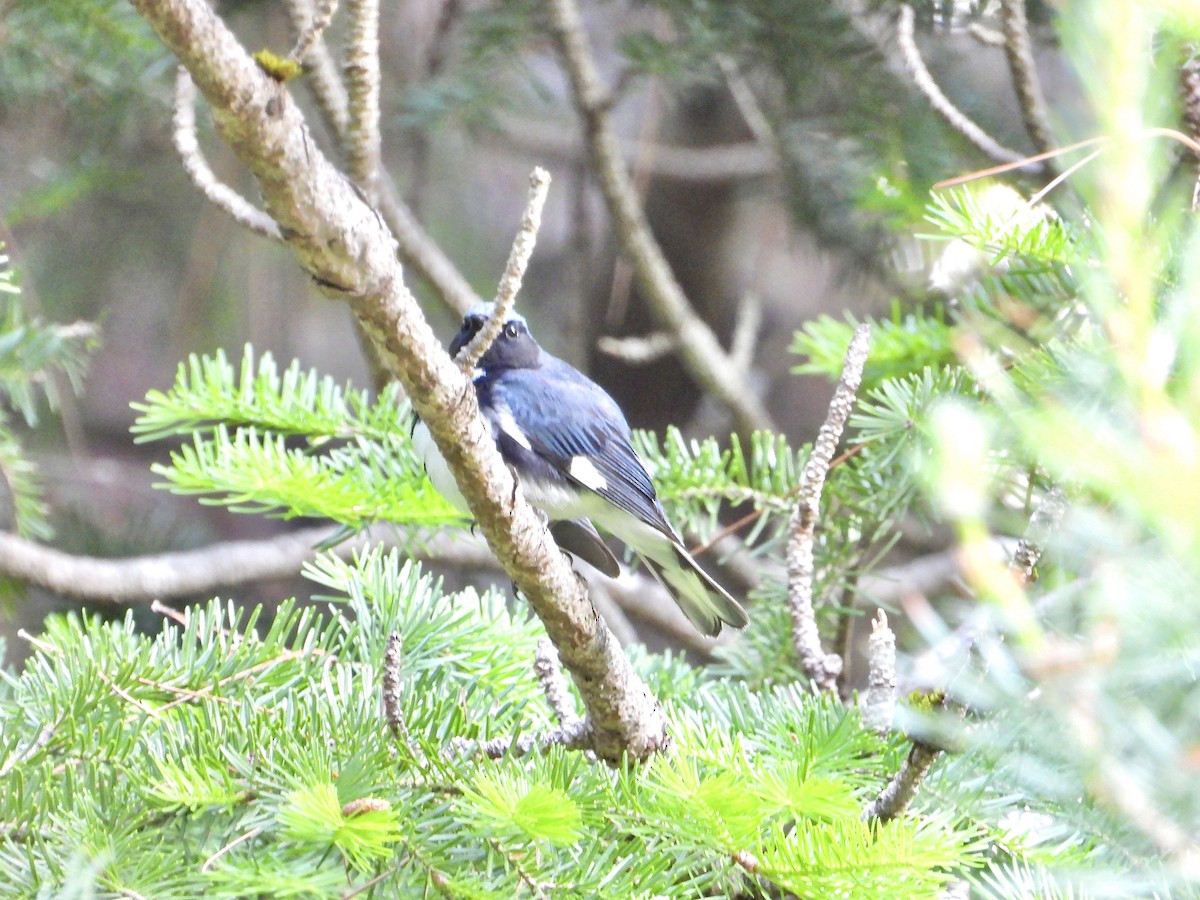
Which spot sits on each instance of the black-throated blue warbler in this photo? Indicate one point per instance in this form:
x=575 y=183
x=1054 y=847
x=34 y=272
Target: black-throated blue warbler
x=569 y=444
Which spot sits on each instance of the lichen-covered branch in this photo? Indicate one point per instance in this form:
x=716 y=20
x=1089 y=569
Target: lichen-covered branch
x=823 y=668
x=702 y=354
x=346 y=249
x=393 y=706
x=893 y=800
x=879 y=701
x=514 y=271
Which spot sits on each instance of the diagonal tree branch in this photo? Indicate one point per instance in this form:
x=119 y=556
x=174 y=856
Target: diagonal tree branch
x=417 y=248
x=706 y=360
x=347 y=250
x=953 y=116
x=198 y=170
x=1019 y=50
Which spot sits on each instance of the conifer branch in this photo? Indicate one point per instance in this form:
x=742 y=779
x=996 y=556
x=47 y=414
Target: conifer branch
x=345 y=247
x=702 y=354
x=363 y=142
x=940 y=103
x=187 y=144
x=514 y=272
x=821 y=667
x=879 y=702
x=1019 y=49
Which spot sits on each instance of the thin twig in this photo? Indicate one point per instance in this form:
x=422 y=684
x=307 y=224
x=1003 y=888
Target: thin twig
x=308 y=36
x=953 y=116
x=745 y=332
x=1189 y=88
x=198 y=170
x=362 y=140
x=707 y=362
x=893 y=800
x=1019 y=49
x=18 y=756
x=637 y=350
x=393 y=701
x=321 y=72
x=514 y=271
x=573 y=737
x=747 y=104
x=821 y=667
x=554 y=685
x=240 y=839
x=719 y=162
x=879 y=702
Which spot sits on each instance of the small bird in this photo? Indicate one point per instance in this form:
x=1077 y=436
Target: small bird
x=569 y=444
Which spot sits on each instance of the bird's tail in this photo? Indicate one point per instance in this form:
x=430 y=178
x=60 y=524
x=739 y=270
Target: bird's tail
x=703 y=601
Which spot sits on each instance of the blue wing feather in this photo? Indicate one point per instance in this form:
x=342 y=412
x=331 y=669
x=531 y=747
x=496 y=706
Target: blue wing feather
x=564 y=415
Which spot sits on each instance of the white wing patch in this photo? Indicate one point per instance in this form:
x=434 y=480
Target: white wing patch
x=507 y=424
x=583 y=471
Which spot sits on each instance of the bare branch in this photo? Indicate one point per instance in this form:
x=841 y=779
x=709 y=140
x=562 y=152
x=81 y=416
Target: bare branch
x=743 y=97
x=362 y=141
x=198 y=170
x=322 y=75
x=893 y=800
x=638 y=350
x=821 y=667
x=549 y=675
x=308 y=35
x=346 y=248
x=573 y=737
x=879 y=702
x=953 y=116
x=745 y=332
x=722 y=162
x=1019 y=50
x=145 y=578
x=417 y=248
x=699 y=349
x=514 y=271
x=393 y=704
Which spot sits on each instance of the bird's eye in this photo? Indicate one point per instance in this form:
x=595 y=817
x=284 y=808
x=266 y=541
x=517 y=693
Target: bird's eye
x=511 y=330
